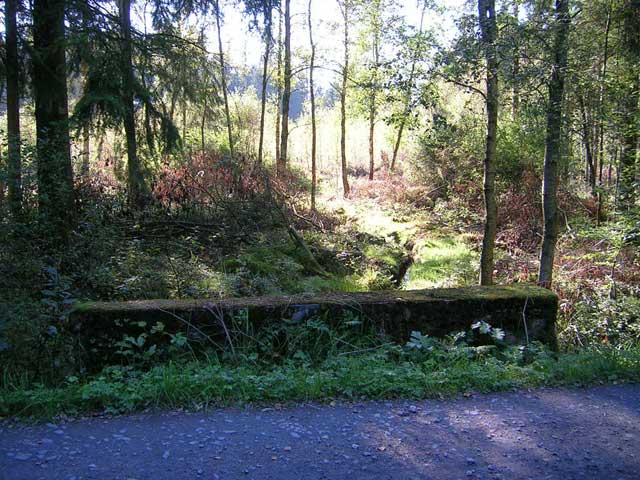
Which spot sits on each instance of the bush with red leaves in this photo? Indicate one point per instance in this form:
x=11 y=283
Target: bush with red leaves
x=519 y=215
x=210 y=179
x=395 y=188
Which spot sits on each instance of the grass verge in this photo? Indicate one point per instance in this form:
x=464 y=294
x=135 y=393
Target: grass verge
x=379 y=374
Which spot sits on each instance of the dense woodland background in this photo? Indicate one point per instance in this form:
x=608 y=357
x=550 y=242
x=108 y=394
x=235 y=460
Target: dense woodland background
x=376 y=144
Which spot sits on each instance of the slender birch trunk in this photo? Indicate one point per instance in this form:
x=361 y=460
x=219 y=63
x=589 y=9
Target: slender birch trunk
x=343 y=101
x=286 y=95
x=223 y=81
x=313 y=110
x=265 y=73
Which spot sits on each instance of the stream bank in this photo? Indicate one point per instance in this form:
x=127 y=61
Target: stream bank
x=416 y=252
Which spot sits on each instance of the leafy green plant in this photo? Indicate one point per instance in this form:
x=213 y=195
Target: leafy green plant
x=372 y=374
x=418 y=341
x=482 y=330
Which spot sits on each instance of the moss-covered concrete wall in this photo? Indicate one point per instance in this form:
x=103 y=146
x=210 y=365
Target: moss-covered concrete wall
x=521 y=310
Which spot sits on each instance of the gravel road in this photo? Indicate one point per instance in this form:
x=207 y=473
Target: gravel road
x=544 y=434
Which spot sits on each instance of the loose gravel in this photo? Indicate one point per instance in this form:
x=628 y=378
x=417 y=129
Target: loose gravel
x=559 y=434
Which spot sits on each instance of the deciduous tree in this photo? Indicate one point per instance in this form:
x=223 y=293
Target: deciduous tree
x=345 y=10
x=553 y=142
x=488 y=28
x=312 y=98
x=14 y=161
x=281 y=162
x=629 y=103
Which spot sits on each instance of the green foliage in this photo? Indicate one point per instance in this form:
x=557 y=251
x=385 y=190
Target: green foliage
x=387 y=372
x=36 y=339
x=520 y=146
x=603 y=320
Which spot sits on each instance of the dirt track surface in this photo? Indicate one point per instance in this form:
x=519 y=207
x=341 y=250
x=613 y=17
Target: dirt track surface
x=546 y=434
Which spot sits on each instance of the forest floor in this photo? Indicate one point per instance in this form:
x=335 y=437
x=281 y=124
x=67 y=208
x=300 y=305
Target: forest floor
x=559 y=434
x=432 y=253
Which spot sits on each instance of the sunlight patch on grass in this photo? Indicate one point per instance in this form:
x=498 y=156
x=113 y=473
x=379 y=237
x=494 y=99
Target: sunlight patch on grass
x=441 y=262
x=373 y=219
x=378 y=222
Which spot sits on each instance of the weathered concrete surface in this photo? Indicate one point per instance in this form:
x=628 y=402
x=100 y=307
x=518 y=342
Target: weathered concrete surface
x=523 y=311
x=554 y=434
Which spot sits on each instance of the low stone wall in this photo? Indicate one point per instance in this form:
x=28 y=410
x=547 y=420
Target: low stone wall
x=523 y=311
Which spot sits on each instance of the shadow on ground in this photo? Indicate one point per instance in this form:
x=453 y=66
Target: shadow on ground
x=557 y=434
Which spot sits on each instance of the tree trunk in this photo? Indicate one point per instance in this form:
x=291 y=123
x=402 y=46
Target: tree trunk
x=628 y=158
x=148 y=130
x=515 y=101
x=55 y=175
x=372 y=126
x=265 y=74
x=138 y=194
x=184 y=123
x=286 y=96
x=600 y=127
x=223 y=81
x=590 y=172
x=86 y=151
x=553 y=145
x=487 y=15
x=372 y=104
x=279 y=88
x=407 y=106
x=100 y=148
x=313 y=112
x=396 y=146
x=202 y=123
x=14 y=162
x=343 y=101
x=603 y=80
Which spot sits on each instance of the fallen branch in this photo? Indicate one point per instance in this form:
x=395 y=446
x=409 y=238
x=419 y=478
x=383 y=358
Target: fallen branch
x=298 y=240
x=308 y=220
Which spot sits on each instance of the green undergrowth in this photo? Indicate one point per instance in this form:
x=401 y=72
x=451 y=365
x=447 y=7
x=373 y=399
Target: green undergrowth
x=383 y=373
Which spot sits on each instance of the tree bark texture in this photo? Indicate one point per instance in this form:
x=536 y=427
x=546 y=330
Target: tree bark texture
x=373 y=99
x=223 y=82
x=312 y=98
x=14 y=162
x=487 y=15
x=631 y=114
x=268 y=40
x=279 y=87
x=553 y=145
x=55 y=176
x=137 y=187
x=286 y=95
x=343 y=101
